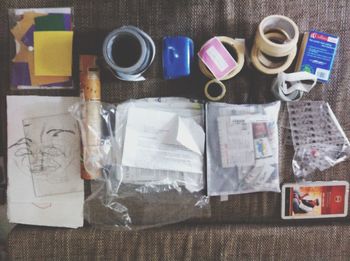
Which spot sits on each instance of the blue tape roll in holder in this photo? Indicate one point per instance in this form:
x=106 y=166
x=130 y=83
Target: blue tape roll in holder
x=177 y=56
x=128 y=52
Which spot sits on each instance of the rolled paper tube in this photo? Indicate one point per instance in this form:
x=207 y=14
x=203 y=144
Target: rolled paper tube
x=92 y=89
x=92 y=146
x=92 y=94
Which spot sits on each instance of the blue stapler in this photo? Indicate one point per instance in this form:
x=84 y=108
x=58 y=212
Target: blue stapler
x=177 y=56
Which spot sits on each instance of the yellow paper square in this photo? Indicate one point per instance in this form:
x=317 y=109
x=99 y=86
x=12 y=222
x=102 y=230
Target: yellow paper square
x=53 y=53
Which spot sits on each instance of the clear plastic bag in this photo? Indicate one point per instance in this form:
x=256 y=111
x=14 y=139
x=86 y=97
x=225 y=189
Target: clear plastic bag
x=242 y=148
x=127 y=149
x=318 y=139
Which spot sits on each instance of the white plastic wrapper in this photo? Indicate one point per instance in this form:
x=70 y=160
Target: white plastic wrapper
x=147 y=160
x=242 y=148
x=318 y=139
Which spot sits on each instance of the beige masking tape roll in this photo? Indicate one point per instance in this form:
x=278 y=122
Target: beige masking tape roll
x=279 y=23
x=268 y=70
x=281 y=33
x=275 y=45
x=214 y=90
x=269 y=61
x=239 y=48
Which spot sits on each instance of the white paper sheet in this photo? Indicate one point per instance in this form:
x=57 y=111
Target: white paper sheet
x=236 y=141
x=163 y=140
x=24 y=205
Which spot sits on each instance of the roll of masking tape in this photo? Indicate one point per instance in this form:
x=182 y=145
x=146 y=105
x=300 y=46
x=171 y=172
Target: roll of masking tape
x=273 y=68
x=273 y=62
x=275 y=23
x=275 y=45
x=238 y=46
x=214 y=90
x=128 y=52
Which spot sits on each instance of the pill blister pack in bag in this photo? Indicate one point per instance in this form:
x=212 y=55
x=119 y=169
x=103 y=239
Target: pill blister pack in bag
x=318 y=139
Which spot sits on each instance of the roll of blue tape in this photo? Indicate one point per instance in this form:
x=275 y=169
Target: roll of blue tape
x=128 y=52
x=177 y=56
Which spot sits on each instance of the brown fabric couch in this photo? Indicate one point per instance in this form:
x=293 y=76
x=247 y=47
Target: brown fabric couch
x=246 y=227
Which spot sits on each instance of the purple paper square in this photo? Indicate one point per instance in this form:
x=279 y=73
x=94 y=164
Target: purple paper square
x=68 y=22
x=28 y=38
x=20 y=74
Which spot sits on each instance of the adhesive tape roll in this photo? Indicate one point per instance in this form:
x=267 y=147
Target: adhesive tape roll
x=128 y=52
x=282 y=24
x=269 y=61
x=214 y=90
x=273 y=64
x=268 y=70
x=238 y=47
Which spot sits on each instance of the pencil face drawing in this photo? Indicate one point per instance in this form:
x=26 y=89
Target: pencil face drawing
x=19 y=152
x=48 y=150
x=52 y=154
x=40 y=160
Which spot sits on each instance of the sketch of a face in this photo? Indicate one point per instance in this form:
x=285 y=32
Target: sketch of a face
x=46 y=151
x=53 y=154
x=19 y=152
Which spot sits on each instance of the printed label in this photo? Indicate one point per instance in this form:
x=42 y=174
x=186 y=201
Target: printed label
x=322 y=74
x=217 y=58
x=236 y=142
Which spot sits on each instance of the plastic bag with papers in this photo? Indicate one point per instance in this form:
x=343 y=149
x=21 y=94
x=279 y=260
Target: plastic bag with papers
x=242 y=148
x=318 y=139
x=147 y=159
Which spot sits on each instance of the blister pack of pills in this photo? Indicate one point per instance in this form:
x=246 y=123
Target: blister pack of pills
x=318 y=139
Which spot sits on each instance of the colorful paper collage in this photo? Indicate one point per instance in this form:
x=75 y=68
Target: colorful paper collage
x=32 y=68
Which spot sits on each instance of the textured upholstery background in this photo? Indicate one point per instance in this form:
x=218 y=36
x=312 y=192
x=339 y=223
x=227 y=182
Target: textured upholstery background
x=200 y=20
x=217 y=242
